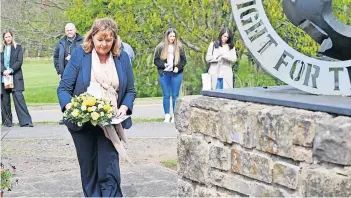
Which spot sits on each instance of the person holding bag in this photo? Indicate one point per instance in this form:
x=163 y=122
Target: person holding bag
x=220 y=56
x=12 y=82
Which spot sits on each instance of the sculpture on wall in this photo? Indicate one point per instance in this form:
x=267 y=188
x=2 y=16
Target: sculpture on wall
x=280 y=60
x=316 y=18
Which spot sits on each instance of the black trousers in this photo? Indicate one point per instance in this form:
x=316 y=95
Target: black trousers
x=20 y=107
x=99 y=163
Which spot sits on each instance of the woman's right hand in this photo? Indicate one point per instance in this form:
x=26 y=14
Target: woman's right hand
x=218 y=57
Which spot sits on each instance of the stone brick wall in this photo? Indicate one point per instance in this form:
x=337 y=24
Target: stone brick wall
x=232 y=148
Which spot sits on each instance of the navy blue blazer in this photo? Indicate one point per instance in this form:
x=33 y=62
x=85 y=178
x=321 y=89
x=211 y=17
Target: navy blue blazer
x=76 y=80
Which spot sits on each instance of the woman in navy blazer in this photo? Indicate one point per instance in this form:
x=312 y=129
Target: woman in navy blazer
x=98 y=159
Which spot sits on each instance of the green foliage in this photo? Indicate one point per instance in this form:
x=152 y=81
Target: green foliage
x=248 y=76
x=36 y=25
x=142 y=23
x=6 y=176
x=342 y=10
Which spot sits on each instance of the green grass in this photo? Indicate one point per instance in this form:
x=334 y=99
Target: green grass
x=148 y=98
x=40 y=80
x=172 y=163
x=144 y=120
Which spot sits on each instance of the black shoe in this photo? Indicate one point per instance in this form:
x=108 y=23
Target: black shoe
x=61 y=122
x=28 y=125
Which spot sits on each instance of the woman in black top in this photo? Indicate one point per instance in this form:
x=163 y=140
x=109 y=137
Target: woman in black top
x=170 y=60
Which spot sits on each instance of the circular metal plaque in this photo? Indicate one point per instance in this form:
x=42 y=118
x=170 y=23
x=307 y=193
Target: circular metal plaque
x=282 y=61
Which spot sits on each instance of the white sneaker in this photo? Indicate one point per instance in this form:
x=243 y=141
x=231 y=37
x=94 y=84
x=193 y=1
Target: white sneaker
x=167 y=118
x=172 y=121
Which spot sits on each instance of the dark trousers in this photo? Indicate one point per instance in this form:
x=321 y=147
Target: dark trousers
x=99 y=163
x=20 y=107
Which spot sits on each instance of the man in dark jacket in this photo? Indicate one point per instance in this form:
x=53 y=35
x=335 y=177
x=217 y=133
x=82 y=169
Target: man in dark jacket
x=64 y=48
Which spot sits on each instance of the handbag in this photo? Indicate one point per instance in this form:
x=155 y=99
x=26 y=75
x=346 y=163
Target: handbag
x=206 y=81
x=8 y=82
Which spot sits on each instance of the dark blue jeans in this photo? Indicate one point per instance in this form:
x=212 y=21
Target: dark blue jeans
x=170 y=84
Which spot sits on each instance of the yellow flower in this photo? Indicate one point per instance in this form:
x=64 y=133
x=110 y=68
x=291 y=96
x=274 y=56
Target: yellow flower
x=75 y=113
x=84 y=98
x=107 y=108
x=90 y=101
x=95 y=116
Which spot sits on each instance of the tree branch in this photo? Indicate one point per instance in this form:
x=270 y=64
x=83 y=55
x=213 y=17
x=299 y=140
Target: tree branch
x=50 y=4
x=189 y=45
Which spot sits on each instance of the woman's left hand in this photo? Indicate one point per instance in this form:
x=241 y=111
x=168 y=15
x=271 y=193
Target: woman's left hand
x=7 y=72
x=122 y=111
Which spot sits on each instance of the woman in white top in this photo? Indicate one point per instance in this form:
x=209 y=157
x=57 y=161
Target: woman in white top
x=170 y=60
x=221 y=55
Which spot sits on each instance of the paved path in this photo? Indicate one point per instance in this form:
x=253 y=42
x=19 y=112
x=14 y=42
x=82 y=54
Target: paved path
x=137 y=181
x=47 y=165
x=50 y=131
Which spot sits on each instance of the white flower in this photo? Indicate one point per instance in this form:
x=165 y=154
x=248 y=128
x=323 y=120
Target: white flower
x=93 y=108
x=100 y=106
x=83 y=108
x=75 y=113
x=102 y=114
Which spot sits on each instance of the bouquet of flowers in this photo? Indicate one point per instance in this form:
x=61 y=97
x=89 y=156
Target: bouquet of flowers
x=87 y=108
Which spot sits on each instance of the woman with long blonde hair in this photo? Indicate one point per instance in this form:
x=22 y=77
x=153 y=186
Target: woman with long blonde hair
x=11 y=69
x=170 y=60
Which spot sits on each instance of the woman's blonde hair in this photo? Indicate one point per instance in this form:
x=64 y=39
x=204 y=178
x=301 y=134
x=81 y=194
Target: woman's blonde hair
x=177 y=46
x=103 y=24
x=4 y=42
